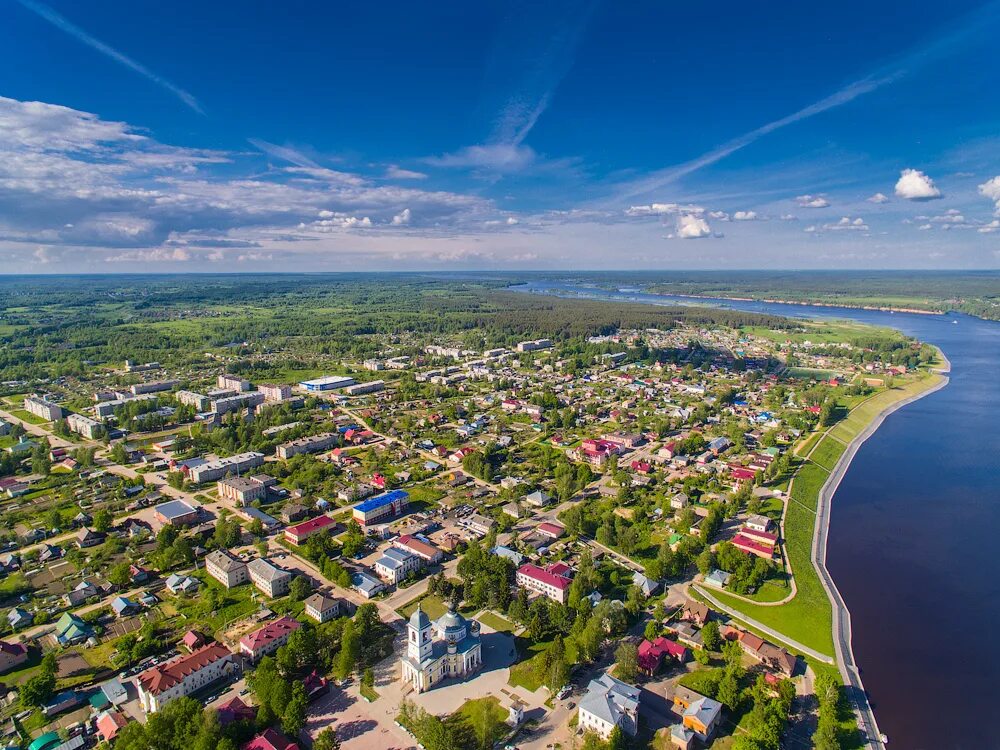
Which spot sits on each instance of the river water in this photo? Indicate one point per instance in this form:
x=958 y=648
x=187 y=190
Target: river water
x=915 y=523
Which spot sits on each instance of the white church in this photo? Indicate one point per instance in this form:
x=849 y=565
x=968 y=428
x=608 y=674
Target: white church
x=435 y=651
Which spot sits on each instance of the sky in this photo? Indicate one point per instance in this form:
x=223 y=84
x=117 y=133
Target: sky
x=302 y=136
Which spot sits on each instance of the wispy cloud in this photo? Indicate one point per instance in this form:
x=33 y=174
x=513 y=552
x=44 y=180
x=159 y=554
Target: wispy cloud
x=79 y=34
x=552 y=53
x=974 y=24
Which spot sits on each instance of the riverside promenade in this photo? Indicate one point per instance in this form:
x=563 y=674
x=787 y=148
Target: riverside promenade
x=853 y=686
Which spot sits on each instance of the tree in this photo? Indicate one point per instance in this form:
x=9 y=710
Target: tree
x=729 y=690
x=299 y=588
x=327 y=740
x=350 y=650
x=627 y=662
x=484 y=724
x=118 y=454
x=616 y=740
x=103 y=519
x=294 y=717
x=37 y=690
x=120 y=574
x=710 y=635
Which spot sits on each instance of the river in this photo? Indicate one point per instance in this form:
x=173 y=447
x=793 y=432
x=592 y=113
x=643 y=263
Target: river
x=912 y=526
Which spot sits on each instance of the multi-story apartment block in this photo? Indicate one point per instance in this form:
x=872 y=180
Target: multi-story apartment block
x=42 y=408
x=269 y=578
x=226 y=568
x=183 y=675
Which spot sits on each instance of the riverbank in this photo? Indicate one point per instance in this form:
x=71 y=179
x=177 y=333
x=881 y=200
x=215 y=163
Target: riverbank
x=807 y=303
x=817 y=617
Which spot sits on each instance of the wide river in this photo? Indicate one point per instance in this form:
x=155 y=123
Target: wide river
x=914 y=530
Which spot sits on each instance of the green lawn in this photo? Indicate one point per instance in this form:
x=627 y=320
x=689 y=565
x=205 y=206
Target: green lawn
x=471 y=710
x=27 y=416
x=808 y=617
x=434 y=606
x=827 y=453
x=496 y=622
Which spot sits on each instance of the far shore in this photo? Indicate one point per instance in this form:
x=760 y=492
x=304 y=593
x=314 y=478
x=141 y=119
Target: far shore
x=806 y=303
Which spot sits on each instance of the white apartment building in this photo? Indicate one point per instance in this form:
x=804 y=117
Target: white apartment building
x=81 y=425
x=227 y=569
x=269 y=578
x=43 y=409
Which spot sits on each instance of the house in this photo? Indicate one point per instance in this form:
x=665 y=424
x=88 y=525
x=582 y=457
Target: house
x=511 y=554
x=270 y=739
x=696 y=612
x=80 y=593
x=243 y=490
x=699 y=714
x=322 y=608
x=477 y=524
x=183 y=675
x=550 y=530
x=269 y=578
x=609 y=703
x=419 y=547
x=114 y=692
x=124 y=607
x=396 y=564
x=300 y=532
x=12 y=655
x=19 y=618
x=193 y=640
x=88 y=538
x=293 y=513
x=717 y=579
x=178 y=584
x=679 y=501
x=647 y=586
x=538 y=498
x=268 y=639
x=71 y=629
x=234 y=710
x=758 y=523
x=226 y=568
x=652 y=653
x=109 y=724
x=367 y=585
x=552 y=581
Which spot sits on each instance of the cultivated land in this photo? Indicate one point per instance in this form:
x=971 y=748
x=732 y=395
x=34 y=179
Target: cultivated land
x=621 y=454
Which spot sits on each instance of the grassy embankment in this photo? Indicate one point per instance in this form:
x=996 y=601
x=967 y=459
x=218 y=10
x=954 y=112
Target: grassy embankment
x=808 y=616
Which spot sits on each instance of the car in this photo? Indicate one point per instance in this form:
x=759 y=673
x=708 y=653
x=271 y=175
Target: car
x=563 y=692
x=571 y=705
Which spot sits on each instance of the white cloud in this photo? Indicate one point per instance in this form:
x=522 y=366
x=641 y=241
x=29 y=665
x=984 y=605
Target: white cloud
x=718 y=215
x=662 y=209
x=745 y=216
x=812 y=201
x=402 y=218
x=789 y=217
x=495 y=157
x=991 y=190
x=692 y=227
x=844 y=224
x=394 y=172
x=914 y=185
x=879 y=198
x=993 y=226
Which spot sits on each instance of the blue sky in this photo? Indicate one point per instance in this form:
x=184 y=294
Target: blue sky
x=304 y=136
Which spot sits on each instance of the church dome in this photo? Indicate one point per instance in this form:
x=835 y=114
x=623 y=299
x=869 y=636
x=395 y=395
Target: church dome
x=451 y=623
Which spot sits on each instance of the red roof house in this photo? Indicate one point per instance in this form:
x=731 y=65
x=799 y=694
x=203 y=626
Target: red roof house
x=270 y=739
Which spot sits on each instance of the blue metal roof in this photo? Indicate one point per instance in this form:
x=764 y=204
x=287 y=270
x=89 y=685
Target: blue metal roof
x=380 y=500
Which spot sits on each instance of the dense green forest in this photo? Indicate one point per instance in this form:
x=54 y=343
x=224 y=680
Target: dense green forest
x=52 y=326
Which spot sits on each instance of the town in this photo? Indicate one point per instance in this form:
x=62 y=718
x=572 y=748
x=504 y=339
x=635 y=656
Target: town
x=535 y=545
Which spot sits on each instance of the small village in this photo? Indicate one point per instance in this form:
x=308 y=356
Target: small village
x=439 y=547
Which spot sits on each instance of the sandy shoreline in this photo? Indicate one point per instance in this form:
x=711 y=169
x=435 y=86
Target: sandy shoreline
x=841 y=614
